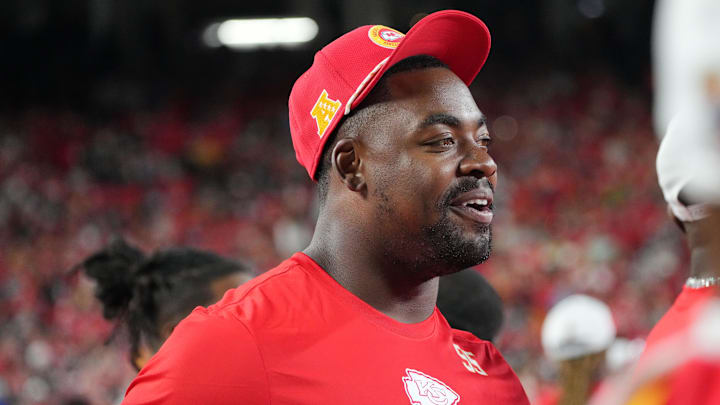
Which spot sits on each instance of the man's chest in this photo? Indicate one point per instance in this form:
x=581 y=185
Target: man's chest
x=389 y=371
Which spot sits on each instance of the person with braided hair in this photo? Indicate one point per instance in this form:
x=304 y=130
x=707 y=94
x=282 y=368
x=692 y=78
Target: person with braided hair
x=150 y=294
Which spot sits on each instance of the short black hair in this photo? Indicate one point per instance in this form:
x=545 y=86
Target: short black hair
x=470 y=303
x=145 y=293
x=380 y=93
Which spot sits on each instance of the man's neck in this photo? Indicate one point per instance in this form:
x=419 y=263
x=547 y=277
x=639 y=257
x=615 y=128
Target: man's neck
x=700 y=263
x=355 y=264
x=698 y=236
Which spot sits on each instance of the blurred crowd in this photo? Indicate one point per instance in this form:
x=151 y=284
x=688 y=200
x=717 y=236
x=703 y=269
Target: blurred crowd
x=578 y=211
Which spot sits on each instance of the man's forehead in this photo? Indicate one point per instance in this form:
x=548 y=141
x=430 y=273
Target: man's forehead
x=433 y=90
x=425 y=80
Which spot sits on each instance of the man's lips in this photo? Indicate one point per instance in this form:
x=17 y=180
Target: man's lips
x=475 y=205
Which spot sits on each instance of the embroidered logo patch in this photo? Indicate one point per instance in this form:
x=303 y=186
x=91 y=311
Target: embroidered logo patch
x=422 y=389
x=385 y=36
x=324 y=111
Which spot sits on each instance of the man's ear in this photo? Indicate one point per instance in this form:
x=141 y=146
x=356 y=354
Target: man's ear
x=672 y=217
x=347 y=163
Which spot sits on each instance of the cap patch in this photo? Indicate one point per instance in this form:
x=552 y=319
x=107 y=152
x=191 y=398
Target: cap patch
x=385 y=36
x=324 y=111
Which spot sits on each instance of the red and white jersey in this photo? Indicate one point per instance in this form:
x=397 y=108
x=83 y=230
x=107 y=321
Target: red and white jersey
x=296 y=336
x=679 y=317
x=681 y=368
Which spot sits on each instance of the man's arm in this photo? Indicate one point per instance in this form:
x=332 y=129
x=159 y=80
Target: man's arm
x=206 y=360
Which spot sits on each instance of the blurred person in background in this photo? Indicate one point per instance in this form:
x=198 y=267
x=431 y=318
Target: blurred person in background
x=470 y=303
x=687 y=113
x=576 y=334
x=681 y=363
x=149 y=295
x=688 y=153
x=388 y=127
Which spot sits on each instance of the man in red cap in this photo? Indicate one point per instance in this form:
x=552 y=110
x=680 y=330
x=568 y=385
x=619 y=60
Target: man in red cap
x=386 y=125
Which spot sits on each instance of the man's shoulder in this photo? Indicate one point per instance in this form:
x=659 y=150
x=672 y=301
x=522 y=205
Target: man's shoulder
x=680 y=315
x=460 y=335
x=218 y=349
x=468 y=345
x=277 y=290
x=473 y=344
x=206 y=359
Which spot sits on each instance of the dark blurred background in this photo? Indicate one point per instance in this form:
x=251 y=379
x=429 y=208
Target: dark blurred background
x=117 y=119
x=105 y=55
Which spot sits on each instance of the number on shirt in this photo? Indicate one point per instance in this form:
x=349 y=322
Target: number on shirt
x=469 y=361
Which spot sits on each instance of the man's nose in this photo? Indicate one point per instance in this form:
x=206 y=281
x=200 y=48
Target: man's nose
x=478 y=163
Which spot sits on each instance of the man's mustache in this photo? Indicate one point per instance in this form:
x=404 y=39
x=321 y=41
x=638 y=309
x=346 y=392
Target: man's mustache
x=464 y=185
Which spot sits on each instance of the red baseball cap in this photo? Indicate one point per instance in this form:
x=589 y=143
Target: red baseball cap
x=345 y=71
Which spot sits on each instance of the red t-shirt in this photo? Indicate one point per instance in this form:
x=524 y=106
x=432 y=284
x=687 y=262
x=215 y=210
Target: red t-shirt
x=681 y=369
x=678 y=317
x=295 y=336
x=697 y=383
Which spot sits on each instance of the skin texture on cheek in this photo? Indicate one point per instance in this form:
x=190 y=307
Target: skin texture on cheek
x=401 y=207
x=402 y=187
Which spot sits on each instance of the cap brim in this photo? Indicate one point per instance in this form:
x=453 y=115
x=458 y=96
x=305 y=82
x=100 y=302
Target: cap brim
x=687 y=163
x=458 y=39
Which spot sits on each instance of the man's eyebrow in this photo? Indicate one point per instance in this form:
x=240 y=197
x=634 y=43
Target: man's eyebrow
x=447 y=119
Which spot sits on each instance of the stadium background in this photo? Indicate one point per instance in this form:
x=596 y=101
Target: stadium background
x=116 y=119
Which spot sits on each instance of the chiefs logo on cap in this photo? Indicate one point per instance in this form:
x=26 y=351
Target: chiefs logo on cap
x=324 y=111
x=385 y=36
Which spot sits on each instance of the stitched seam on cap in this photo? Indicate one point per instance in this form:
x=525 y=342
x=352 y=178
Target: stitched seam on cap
x=327 y=61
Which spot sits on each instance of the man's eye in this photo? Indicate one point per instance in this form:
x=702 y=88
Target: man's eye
x=446 y=142
x=486 y=142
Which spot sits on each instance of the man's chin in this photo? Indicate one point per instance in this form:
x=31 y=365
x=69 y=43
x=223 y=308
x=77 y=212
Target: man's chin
x=478 y=241
x=466 y=250
x=477 y=254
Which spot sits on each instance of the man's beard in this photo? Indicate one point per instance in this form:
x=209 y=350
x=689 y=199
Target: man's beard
x=444 y=246
x=456 y=251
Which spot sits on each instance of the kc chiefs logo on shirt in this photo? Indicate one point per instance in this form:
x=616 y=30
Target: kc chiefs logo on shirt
x=422 y=389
